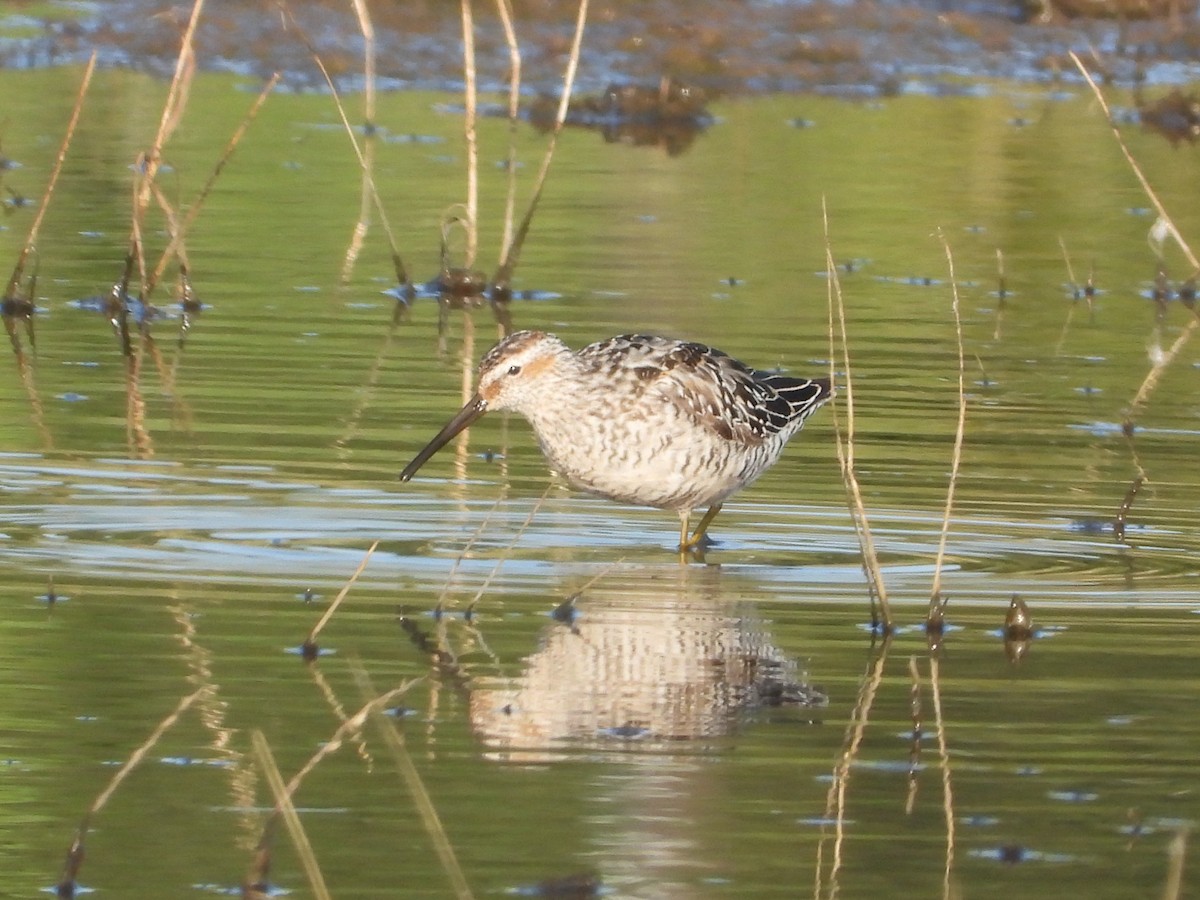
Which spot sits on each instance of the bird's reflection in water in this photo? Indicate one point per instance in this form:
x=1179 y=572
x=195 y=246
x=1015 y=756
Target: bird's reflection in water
x=646 y=665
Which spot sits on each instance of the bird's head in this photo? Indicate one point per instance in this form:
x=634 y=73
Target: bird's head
x=511 y=376
x=512 y=372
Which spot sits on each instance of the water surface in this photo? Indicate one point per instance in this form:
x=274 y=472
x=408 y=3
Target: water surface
x=679 y=732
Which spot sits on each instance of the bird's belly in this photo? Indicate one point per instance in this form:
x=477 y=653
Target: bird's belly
x=665 y=472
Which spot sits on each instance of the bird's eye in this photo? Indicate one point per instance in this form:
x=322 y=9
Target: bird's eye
x=514 y=370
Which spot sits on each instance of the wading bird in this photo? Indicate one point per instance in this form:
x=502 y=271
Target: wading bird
x=640 y=419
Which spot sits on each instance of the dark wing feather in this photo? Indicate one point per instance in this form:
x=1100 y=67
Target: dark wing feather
x=795 y=398
x=717 y=391
x=748 y=406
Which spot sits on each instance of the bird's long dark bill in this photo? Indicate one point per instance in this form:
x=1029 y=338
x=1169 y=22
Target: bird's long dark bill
x=475 y=408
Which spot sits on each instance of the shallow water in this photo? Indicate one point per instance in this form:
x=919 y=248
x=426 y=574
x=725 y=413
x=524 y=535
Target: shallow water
x=636 y=738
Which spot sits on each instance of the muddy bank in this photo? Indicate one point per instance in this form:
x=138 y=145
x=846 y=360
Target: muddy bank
x=722 y=46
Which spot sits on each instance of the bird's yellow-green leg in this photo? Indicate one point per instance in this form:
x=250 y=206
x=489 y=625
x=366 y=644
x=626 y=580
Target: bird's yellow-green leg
x=694 y=541
x=684 y=516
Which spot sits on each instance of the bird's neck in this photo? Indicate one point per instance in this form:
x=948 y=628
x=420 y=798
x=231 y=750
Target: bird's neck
x=555 y=402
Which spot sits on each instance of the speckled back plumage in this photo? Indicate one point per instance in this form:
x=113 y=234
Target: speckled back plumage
x=649 y=420
x=736 y=402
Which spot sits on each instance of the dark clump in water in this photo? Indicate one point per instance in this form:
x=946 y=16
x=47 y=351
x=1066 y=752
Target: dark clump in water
x=442 y=661
x=578 y=886
x=1018 y=630
x=630 y=731
x=1176 y=116
x=15 y=200
x=1121 y=522
x=68 y=884
x=51 y=596
x=566 y=612
x=1187 y=293
x=1012 y=854
x=773 y=687
x=16 y=307
x=670 y=114
x=935 y=622
x=309 y=651
x=459 y=286
x=111 y=304
x=1018 y=623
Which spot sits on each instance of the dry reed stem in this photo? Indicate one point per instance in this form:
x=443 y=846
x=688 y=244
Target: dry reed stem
x=470 y=101
x=1135 y=486
x=914 y=753
x=394 y=740
x=425 y=807
x=339 y=711
x=1062 y=337
x=845 y=450
x=603 y=573
x=366 y=393
x=1001 y=294
x=118 y=305
x=475 y=535
x=141 y=445
x=475 y=636
x=835 y=799
x=509 y=263
x=139 y=754
x=352 y=725
x=1137 y=170
x=441 y=660
x=36 y=407
x=1156 y=371
x=173 y=230
x=936 y=590
x=177 y=235
x=156 y=356
x=14 y=337
x=149 y=345
x=504 y=8
x=31 y=239
x=1155 y=374
x=75 y=851
x=359 y=235
x=211 y=710
x=511 y=544
x=1176 y=855
x=466 y=383
x=181 y=85
x=172 y=114
x=284 y=806
x=368 y=179
x=1062 y=245
x=337 y=601
x=368 y=33
x=939 y=724
x=136 y=253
